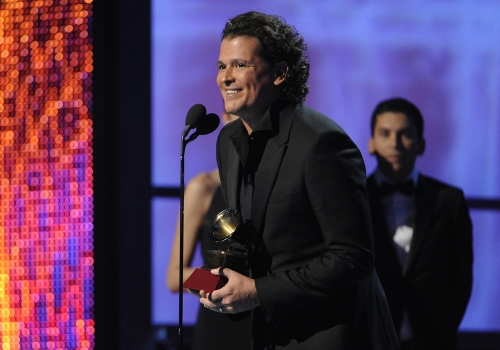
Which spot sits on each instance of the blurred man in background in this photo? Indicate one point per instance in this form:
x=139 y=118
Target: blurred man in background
x=423 y=233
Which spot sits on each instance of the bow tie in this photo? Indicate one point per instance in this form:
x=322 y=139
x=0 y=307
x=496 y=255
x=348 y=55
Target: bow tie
x=406 y=188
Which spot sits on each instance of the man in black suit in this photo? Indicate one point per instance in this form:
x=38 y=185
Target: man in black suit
x=423 y=233
x=299 y=183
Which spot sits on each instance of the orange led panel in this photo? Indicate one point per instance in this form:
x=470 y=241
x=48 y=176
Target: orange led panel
x=46 y=183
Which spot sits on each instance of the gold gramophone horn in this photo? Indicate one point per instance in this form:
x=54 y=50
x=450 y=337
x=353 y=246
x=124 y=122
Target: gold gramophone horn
x=226 y=226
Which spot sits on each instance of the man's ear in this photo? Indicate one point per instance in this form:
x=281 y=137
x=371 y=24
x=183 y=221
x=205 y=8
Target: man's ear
x=280 y=72
x=371 y=146
x=421 y=146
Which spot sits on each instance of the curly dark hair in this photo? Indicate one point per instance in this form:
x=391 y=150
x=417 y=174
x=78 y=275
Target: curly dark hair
x=280 y=42
x=400 y=105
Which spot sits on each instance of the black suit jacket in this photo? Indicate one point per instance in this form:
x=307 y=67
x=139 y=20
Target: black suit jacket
x=435 y=282
x=314 y=267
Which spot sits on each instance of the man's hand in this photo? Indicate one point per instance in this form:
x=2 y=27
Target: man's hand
x=238 y=295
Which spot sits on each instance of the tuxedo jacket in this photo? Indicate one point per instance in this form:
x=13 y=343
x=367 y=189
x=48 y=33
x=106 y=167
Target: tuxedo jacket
x=313 y=266
x=434 y=285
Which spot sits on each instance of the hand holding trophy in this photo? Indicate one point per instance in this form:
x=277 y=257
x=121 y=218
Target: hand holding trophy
x=227 y=226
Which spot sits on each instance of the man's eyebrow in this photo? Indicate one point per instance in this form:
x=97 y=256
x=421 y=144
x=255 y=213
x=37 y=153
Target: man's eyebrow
x=235 y=60
x=399 y=131
x=219 y=62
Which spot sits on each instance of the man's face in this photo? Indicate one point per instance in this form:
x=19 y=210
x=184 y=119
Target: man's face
x=396 y=145
x=247 y=83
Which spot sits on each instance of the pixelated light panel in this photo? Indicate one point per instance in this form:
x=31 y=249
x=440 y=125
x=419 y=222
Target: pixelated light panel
x=46 y=183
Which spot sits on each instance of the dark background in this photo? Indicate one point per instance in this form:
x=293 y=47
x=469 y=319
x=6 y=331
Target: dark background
x=122 y=174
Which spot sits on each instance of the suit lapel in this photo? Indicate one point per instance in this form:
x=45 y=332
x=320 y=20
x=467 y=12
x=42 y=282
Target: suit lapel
x=270 y=165
x=233 y=176
x=265 y=180
x=425 y=200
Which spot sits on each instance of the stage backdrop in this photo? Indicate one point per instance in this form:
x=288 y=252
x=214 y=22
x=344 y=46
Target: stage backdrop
x=443 y=56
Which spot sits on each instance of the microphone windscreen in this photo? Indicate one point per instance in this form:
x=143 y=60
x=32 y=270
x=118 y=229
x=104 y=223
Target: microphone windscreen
x=195 y=114
x=208 y=124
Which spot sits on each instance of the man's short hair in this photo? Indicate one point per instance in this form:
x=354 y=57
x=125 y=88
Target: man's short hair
x=400 y=105
x=280 y=42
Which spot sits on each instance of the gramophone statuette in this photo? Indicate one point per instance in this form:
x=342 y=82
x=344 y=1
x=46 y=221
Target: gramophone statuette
x=227 y=226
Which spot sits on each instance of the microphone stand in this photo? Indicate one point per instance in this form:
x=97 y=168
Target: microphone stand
x=201 y=130
x=184 y=142
x=181 y=241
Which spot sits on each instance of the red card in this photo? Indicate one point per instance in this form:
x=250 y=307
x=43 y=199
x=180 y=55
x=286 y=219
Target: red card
x=203 y=279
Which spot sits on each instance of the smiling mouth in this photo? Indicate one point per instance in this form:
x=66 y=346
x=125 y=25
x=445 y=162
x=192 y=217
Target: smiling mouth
x=232 y=92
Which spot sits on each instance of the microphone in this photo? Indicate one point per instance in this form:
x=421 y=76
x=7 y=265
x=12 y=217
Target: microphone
x=193 y=117
x=205 y=126
x=208 y=124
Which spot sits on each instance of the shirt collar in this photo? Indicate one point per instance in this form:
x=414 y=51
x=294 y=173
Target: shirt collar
x=266 y=128
x=268 y=123
x=264 y=123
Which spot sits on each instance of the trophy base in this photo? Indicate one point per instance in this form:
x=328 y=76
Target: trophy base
x=202 y=279
x=234 y=260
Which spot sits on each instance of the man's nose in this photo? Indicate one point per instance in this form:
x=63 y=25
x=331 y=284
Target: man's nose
x=227 y=76
x=398 y=141
x=395 y=140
